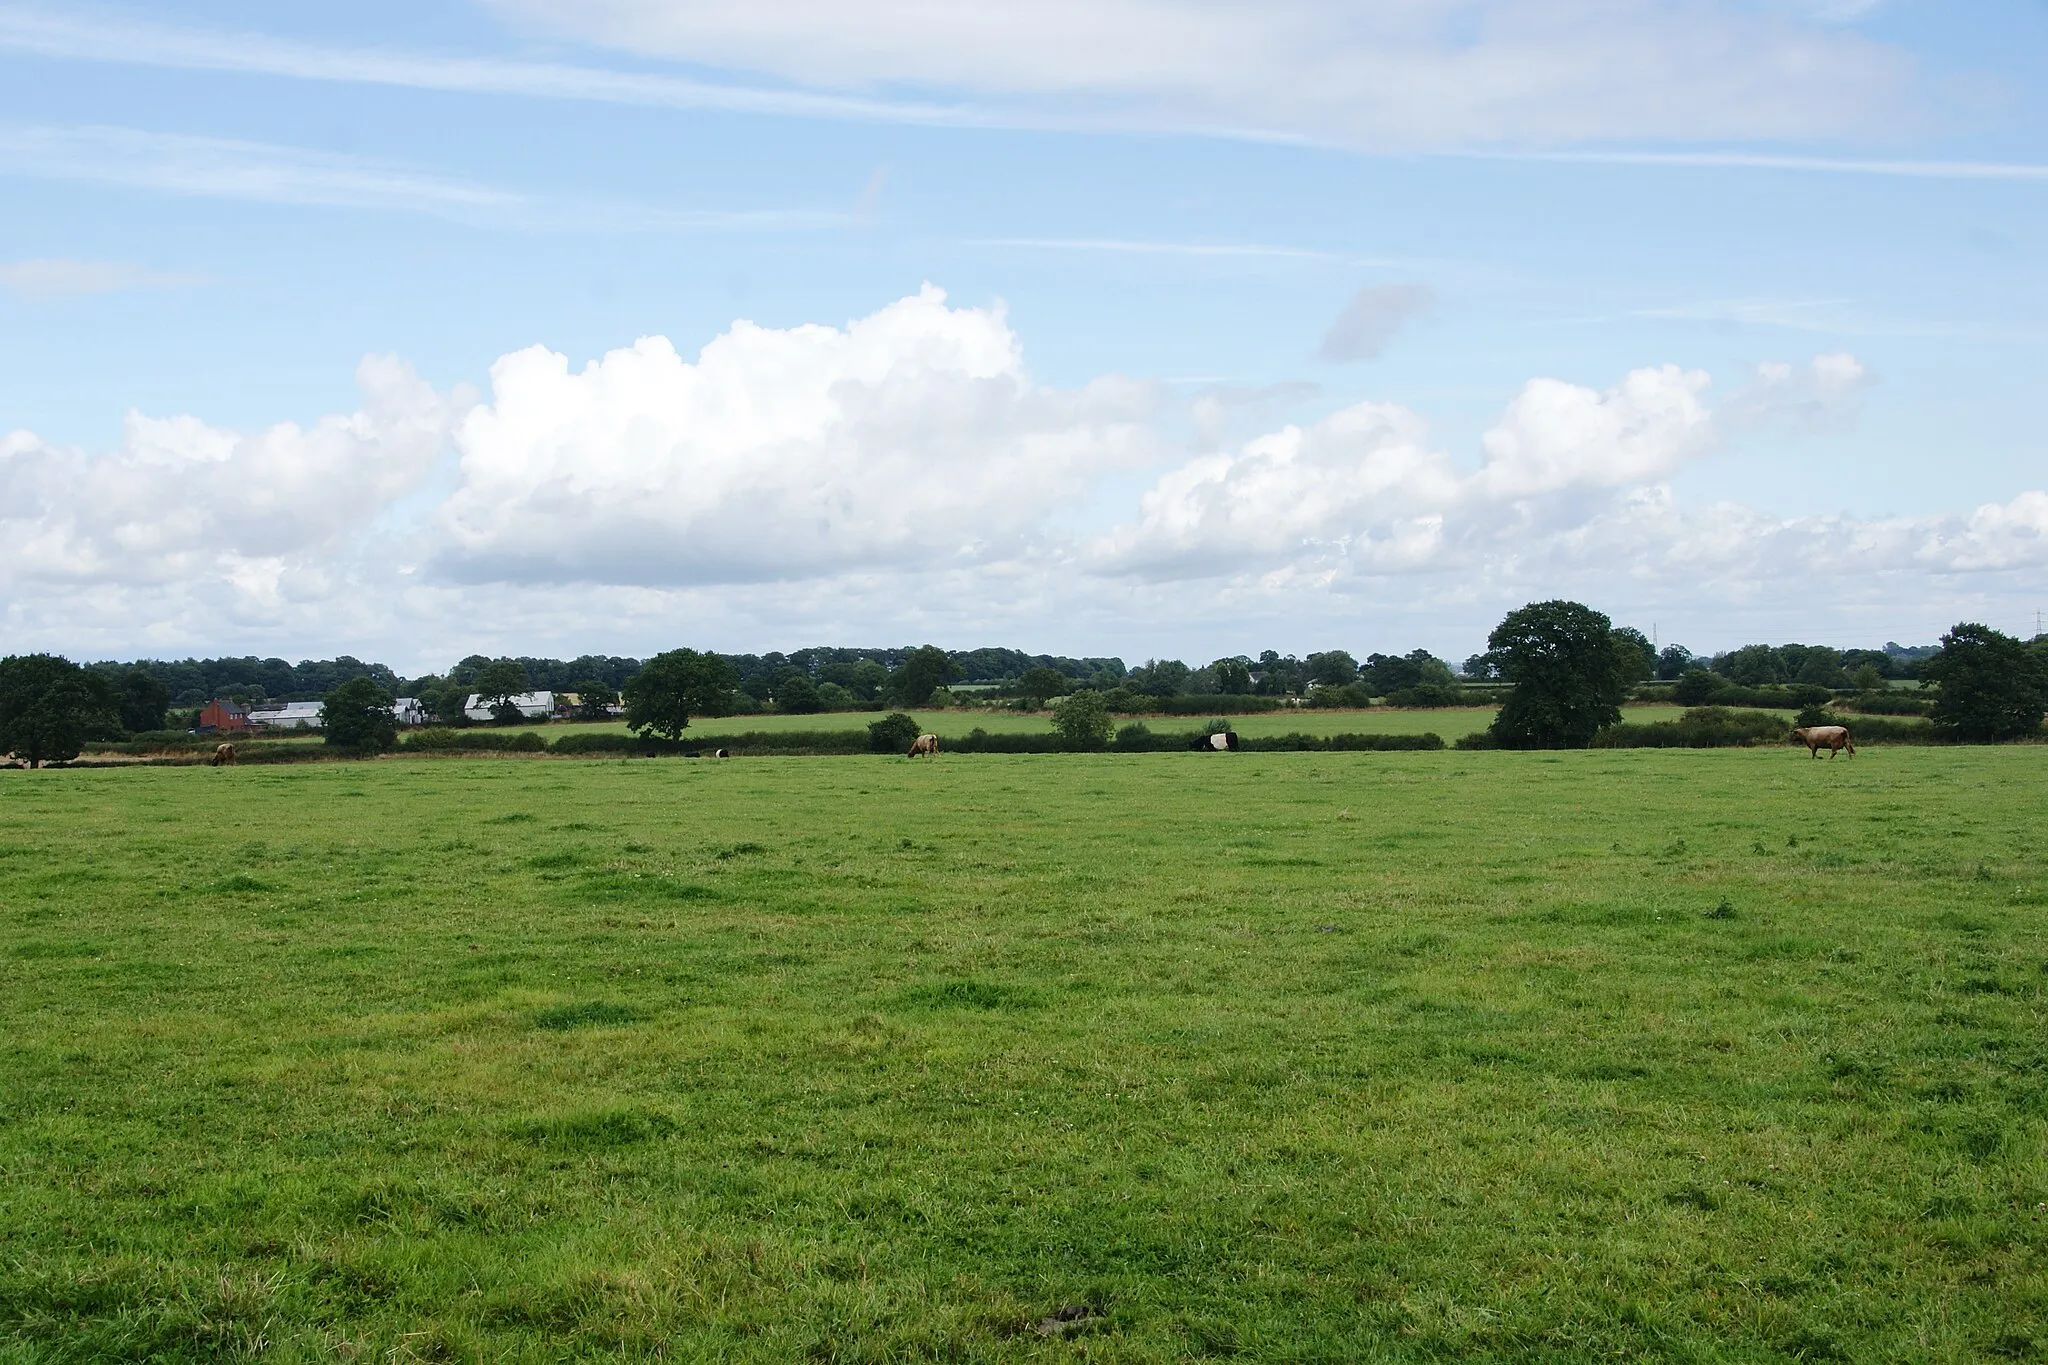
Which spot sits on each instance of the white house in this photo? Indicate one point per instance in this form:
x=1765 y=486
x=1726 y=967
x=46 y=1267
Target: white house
x=532 y=705
x=409 y=711
x=291 y=715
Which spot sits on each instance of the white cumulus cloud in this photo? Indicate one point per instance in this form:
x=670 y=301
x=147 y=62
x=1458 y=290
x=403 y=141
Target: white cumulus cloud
x=909 y=437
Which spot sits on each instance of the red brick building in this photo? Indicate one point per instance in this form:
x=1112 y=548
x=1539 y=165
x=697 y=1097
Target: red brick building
x=221 y=716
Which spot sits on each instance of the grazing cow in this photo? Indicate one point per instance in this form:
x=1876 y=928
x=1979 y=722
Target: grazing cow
x=1216 y=743
x=1833 y=738
x=925 y=744
x=721 y=753
x=223 y=756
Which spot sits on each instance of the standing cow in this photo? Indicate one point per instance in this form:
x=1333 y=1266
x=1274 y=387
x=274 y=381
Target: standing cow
x=1833 y=738
x=223 y=756
x=924 y=744
x=1217 y=743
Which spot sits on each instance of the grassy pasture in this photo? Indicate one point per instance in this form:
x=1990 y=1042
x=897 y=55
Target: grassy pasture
x=1688 y=1055
x=1380 y=720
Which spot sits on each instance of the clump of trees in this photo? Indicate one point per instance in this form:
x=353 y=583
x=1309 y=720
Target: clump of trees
x=356 y=717
x=1993 y=687
x=50 y=707
x=1082 y=721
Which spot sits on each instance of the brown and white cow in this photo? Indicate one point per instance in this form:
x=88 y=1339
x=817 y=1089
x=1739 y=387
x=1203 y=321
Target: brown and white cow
x=924 y=744
x=1833 y=738
x=223 y=756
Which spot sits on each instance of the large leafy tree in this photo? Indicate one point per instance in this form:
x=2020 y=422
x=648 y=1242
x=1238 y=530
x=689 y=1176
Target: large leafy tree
x=50 y=706
x=1232 y=675
x=672 y=687
x=1992 y=686
x=1570 y=673
x=143 y=698
x=594 y=699
x=357 y=716
x=921 y=673
x=500 y=680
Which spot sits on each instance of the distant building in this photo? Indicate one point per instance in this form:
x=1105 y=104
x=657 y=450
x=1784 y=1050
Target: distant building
x=532 y=705
x=291 y=715
x=409 y=711
x=218 y=717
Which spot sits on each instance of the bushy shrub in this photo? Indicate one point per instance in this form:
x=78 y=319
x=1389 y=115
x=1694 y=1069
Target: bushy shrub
x=1702 y=727
x=1355 y=696
x=1135 y=737
x=1482 y=739
x=1428 y=694
x=1346 y=743
x=1082 y=721
x=1886 y=704
x=893 y=733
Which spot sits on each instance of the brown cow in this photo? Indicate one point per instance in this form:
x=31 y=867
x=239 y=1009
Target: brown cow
x=925 y=744
x=1833 y=738
x=223 y=756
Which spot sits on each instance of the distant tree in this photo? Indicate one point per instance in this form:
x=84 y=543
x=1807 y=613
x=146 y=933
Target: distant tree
x=443 y=698
x=919 y=675
x=893 y=733
x=867 y=679
x=143 y=699
x=1159 y=678
x=1695 y=687
x=1992 y=686
x=49 y=708
x=1673 y=661
x=1040 y=685
x=833 y=697
x=1332 y=668
x=797 y=695
x=1644 y=658
x=356 y=716
x=498 y=681
x=1821 y=667
x=1479 y=668
x=672 y=687
x=594 y=699
x=1233 y=675
x=1751 y=665
x=1867 y=679
x=1569 y=671
x=1082 y=720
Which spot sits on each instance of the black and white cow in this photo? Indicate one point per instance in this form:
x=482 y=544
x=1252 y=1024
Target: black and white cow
x=1215 y=743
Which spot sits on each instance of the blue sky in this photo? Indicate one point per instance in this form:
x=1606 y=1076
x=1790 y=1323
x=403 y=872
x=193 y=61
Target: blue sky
x=1730 y=318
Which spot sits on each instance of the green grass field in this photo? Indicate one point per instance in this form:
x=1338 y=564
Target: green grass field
x=1719 y=1055
x=1381 y=720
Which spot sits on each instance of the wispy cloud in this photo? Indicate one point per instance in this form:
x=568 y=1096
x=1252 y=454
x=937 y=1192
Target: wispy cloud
x=225 y=168
x=107 y=39
x=1144 y=248
x=60 y=277
x=1771 y=161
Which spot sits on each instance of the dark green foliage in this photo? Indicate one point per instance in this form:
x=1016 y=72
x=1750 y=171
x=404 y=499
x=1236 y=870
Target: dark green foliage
x=1703 y=727
x=797 y=695
x=497 y=682
x=1570 y=674
x=1083 y=721
x=49 y=708
x=1993 y=687
x=1040 y=685
x=143 y=699
x=1332 y=668
x=595 y=698
x=893 y=733
x=356 y=716
x=672 y=687
x=1213 y=703
x=923 y=671
x=1347 y=743
x=1695 y=687
x=1134 y=738
x=1429 y=694
x=1232 y=675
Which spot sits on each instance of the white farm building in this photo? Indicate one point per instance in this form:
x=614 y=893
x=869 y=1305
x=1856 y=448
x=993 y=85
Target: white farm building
x=532 y=705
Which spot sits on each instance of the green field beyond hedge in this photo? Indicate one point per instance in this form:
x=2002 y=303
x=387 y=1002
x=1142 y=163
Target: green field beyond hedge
x=1687 y=1055
x=1308 y=720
